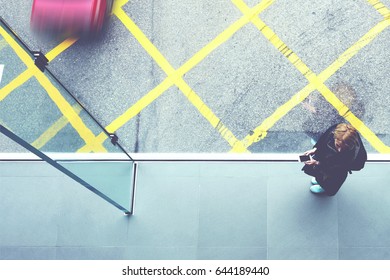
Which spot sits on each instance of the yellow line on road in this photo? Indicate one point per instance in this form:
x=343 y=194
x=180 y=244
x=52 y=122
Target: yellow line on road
x=27 y=74
x=261 y=131
x=132 y=112
x=54 y=129
x=65 y=108
x=15 y=83
x=146 y=43
x=275 y=40
x=174 y=76
x=25 y=57
x=223 y=37
x=60 y=48
x=208 y=114
x=354 y=49
x=371 y=137
x=315 y=83
x=138 y=106
x=381 y=8
x=350 y=117
x=118 y=4
x=24 y=76
x=100 y=139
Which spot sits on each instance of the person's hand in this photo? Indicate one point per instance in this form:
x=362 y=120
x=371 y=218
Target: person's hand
x=310 y=152
x=312 y=162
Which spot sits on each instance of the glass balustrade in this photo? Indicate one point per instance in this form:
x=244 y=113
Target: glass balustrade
x=40 y=114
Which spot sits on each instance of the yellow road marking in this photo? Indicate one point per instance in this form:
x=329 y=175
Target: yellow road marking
x=382 y=9
x=17 y=49
x=27 y=74
x=146 y=44
x=18 y=81
x=138 y=106
x=315 y=83
x=208 y=114
x=23 y=77
x=171 y=73
x=54 y=129
x=100 y=139
x=354 y=49
x=275 y=40
x=351 y=118
x=261 y=131
x=118 y=4
x=223 y=37
x=280 y=112
x=131 y=112
x=65 y=108
x=174 y=77
x=60 y=48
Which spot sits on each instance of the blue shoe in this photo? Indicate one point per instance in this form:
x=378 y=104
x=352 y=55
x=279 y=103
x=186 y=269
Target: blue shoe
x=314 y=181
x=317 y=189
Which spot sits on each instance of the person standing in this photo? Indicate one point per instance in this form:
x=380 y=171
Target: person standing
x=333 y=156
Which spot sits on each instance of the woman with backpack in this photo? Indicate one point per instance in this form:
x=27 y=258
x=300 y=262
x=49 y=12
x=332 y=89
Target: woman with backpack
x=338 y=151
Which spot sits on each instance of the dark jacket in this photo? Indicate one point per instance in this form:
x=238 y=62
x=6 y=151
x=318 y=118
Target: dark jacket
x=334 y=165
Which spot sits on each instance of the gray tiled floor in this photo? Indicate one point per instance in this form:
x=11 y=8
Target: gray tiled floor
x=195 y=210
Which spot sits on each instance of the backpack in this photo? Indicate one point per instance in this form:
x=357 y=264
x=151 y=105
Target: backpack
x=360 y=159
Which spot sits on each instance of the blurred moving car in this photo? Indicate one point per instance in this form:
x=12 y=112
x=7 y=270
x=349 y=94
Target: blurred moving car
x=70 y=17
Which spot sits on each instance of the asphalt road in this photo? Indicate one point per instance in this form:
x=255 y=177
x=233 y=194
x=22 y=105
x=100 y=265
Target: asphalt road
x=199 y=76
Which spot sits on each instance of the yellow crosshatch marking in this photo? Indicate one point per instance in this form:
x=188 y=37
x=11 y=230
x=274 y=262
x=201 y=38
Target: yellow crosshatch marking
x=60 y=48
x=65 y=108
x=15 y=83
x=382 y=9
x=54 y=129
x=316 y=82
x=174 y=77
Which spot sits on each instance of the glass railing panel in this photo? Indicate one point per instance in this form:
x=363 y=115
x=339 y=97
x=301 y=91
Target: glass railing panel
x=44 y=117
x=111 y=178
x=11 y=65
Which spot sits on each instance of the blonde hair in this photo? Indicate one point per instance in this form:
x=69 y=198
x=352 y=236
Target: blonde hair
x=346 y=134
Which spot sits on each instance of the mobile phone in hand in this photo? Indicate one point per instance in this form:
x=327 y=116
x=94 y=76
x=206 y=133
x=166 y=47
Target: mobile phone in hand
x=303 y=158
